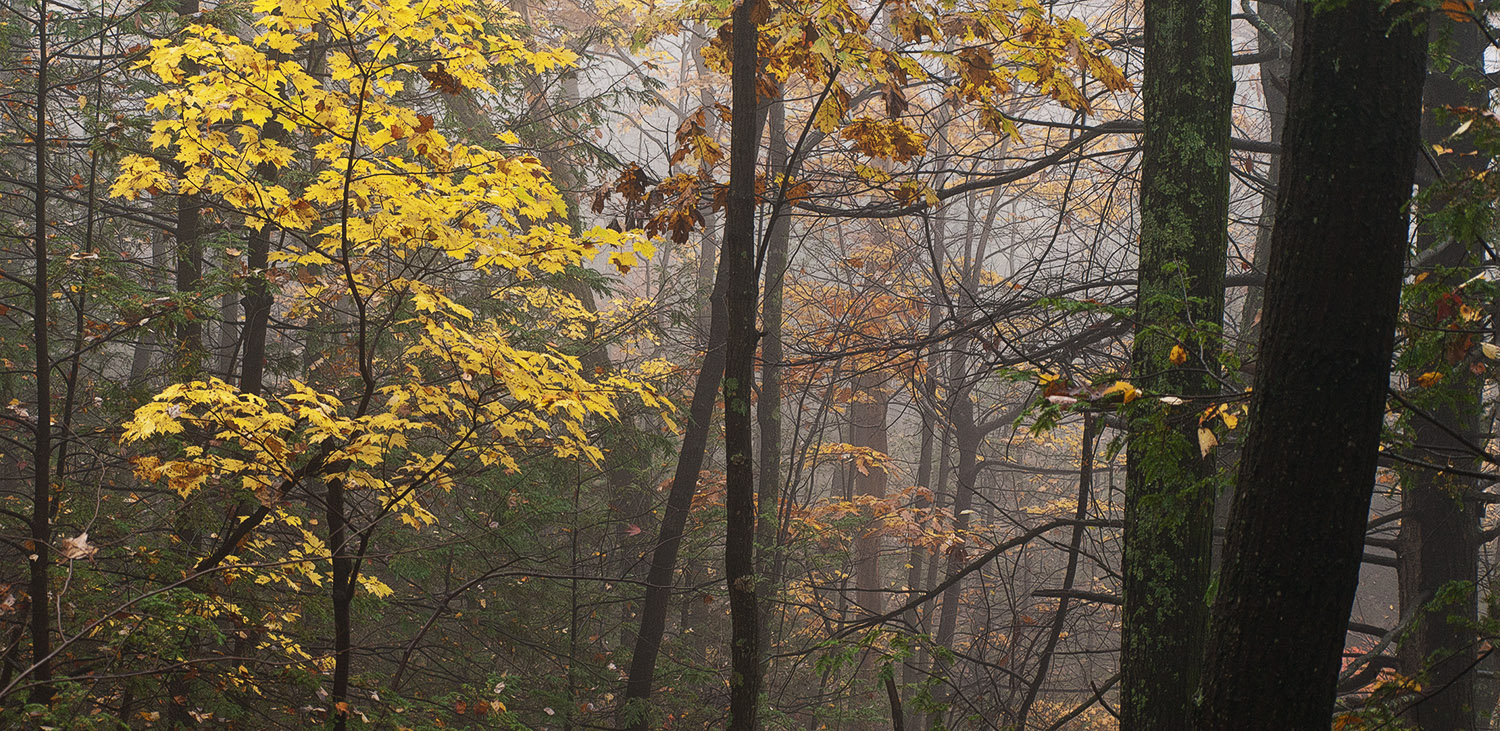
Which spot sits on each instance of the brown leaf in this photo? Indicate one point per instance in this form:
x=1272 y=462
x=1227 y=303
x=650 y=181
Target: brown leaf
x=78 y=547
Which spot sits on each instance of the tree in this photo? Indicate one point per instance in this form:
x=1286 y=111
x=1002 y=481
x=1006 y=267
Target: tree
x=1296 y=532
x=741 y=300
x=1170 y=488
x=395 y=220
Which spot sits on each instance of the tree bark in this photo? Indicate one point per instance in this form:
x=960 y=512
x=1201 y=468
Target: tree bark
x=1075 y=545
x=967 y=440
x=188 y=232
x=258 y=297
x=741 y=296
x=1180 y=303
x=1296 y=533
x=635 y=714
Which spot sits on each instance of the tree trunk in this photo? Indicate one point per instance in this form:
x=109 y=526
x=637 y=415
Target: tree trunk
x=1180 y=303
x=635 y=713
x=189 y=251
x=1075 y=545
x=768 y=408
x=1274 y=34
x=867 y=427
x=741 y=295
x=257 y=303
x=967 y=438
x=1296 y=533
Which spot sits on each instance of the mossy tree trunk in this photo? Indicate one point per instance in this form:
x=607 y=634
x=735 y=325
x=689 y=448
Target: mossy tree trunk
x=1180 y=303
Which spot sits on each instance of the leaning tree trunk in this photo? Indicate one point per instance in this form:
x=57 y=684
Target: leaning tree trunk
x=1296 y=533
x=1439 y=540
x=635 y=712
x=1169 y=490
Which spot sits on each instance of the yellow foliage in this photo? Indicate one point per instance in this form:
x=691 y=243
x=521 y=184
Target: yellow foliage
x=446 y=390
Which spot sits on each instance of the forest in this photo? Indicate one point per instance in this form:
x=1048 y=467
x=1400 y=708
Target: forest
x=909 y=365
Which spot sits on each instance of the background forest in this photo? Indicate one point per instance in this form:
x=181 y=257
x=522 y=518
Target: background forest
x=939 y=364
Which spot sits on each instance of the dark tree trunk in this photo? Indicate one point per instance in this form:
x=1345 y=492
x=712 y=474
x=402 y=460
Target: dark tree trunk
x=188 y=232
x=342 y=596
x=1296 y=533
x=741 y=295
x=635 y=712
x=1070 y=573
x=1180 y=303
x=967 y=439
x=1274 y=34
x=1439 y=540
x=258 y=296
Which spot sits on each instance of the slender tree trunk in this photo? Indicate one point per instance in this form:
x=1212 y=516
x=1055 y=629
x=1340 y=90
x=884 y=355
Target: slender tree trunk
x=189 y=279
x=635 y=714
x=768 y=408
x=917 y=555
x=1439 y=539
x=868 y=429
x=342 y=595
x=741 y=296
x=708 y=253
x=1273 y=36
x=1180 y=303
x=967 y=439
x=1070 y=573
x=1296 y=533
x=258 y=296
x=41 y=458
x=188 y=232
